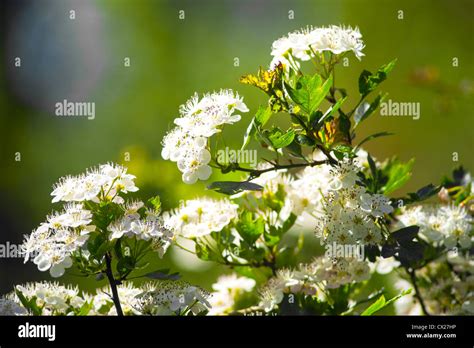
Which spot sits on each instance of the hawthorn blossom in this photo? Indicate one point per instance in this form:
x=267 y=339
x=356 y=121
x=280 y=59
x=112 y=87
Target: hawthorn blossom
x=52 y=298
x=200 y=217
x=187 y=144
x=169 y=297
x=103 y=183
x=448 y=224
x=305 y=43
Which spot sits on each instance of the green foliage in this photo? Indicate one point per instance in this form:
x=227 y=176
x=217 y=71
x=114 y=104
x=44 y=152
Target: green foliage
x=280 y=139
x=381 y=303
x=250 y=229
x=309 y=92
x=397 y=174
x=368 y=81
x=388 y=177
x=359 y=117
x=29 y=304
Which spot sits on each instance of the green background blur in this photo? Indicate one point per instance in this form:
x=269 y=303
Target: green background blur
x=83 y=60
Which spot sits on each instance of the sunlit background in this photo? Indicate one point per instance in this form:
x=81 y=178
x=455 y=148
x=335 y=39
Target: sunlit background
x=82 y=59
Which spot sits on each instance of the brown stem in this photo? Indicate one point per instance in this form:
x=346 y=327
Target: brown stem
x=113 y=284
x=412 y=274
x=254 y=173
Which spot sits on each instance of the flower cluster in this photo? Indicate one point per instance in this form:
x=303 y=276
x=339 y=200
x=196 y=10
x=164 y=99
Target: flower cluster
x=307 y=43
x=103 y=183
x=309 y=279
x=447 y=224
x=55 y=240
x=50 y=298
x=199 y=217
x=102 y=303
x=187 y=144
x=226 y=291
x=447 y=292
x=350 y=214
x=150 y=228
x=156 y=298
x=169 y=297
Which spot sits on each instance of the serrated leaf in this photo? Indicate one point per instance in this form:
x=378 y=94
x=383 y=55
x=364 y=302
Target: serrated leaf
x=309 y=92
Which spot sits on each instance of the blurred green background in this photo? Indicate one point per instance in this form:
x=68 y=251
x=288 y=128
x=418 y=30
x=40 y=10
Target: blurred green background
x=171 y=58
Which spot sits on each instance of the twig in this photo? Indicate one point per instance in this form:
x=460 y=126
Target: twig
x=255 y=173
x=412 y=274
x=113 y=284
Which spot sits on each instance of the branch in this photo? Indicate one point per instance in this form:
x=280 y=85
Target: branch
x=412 y=274
x=255 y=173
x=113 y=284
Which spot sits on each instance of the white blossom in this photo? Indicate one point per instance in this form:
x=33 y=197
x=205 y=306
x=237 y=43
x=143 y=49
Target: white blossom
x=200 y=217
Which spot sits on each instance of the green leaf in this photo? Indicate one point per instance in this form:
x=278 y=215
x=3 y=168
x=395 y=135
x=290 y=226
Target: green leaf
x=309 y=92
x=368 y=81
x=249 y=133
x=330 y=112
x=372 y=166
x=29 y=304
x=233 y=187
x=381 y=303
x=125 y=265
x=250 y=229
x=426 y=192
x=263 y=115
x=261 y=118
x=361 y=115
x=342 y=151
x=304 y=140
x=205 y=253
x=85 y=308
x=398 y=174
x=279 y=139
